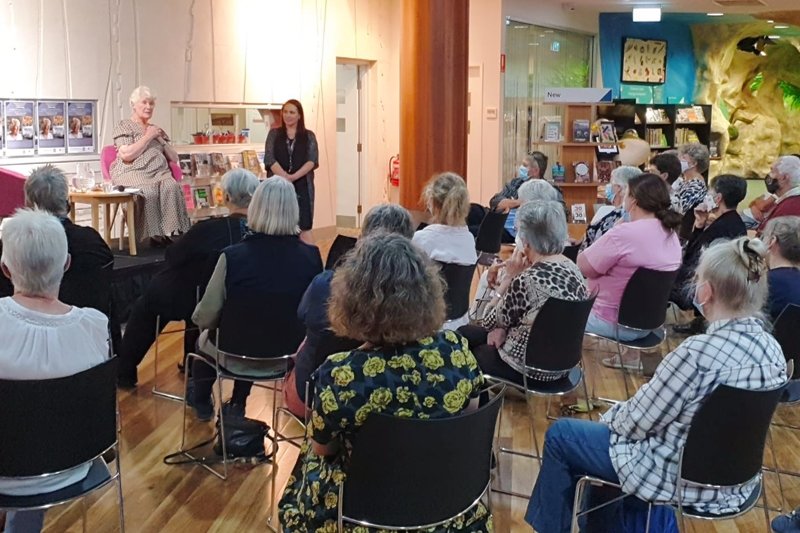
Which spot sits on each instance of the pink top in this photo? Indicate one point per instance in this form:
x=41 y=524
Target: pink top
x=619 y=252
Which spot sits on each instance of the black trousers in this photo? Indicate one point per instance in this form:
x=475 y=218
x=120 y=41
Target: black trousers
x=203 y=376
x=488 y=357
x=140 y=332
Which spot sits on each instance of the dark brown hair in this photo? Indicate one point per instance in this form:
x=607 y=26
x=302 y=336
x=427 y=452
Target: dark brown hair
x=652 y=195
x=668 y=163
x=301 y=122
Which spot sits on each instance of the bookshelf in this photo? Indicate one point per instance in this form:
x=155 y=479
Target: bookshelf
x=668 y=126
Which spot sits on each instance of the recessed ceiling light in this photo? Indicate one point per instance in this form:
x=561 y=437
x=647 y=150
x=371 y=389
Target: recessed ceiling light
x=548 y=31
x=781 y=26
x=715 y=14
x=774 y=36
x=646 y=14
x=533 y=44
x=770 y=21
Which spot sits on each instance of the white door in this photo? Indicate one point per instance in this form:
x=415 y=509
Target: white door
x=348 y=146
x=475 y=134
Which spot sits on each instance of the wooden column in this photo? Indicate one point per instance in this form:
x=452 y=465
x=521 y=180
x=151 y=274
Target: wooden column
x=433 y=93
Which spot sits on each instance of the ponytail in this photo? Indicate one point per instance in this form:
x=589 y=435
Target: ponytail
x=446 y=196
x=670 y=219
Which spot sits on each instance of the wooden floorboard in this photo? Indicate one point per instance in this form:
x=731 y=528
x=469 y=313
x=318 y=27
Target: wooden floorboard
x=164 y=498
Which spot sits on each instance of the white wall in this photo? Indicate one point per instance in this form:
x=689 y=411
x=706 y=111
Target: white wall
x=263 y=51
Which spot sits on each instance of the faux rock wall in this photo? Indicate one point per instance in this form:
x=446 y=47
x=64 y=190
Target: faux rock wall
x=754 y=125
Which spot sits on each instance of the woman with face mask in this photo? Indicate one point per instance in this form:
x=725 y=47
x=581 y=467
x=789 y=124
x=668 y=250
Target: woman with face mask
x=694 y=161
x=637 y=443
x=649 y=240
x=607 y=216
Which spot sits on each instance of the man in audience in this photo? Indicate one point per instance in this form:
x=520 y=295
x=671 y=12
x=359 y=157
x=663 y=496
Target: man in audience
x=668 y=166
x=715 y=218
x=530 y=190
x=784 y=182
x=533 y=166
x=87 y=283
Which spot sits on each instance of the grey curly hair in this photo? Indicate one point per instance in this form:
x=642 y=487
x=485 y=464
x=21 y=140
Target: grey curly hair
x=386 y=292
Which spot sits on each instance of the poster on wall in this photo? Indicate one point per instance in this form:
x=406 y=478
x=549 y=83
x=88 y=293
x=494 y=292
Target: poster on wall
x=50 y=132
x=19 y=127
x=80 y=127
x=644 y=61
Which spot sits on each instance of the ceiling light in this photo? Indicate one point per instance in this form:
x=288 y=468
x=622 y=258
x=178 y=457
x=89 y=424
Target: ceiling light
x=533 y=44
x=715 y=14
x=774 y=36
x=647 y=14
x=781 y=26
x=770 y=21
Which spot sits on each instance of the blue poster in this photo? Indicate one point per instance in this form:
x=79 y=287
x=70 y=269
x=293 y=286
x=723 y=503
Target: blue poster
x=80 y=127
x=50 y=134
x=19 y=127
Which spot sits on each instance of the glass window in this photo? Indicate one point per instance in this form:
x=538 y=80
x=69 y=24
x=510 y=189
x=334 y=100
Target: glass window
x=538 y=58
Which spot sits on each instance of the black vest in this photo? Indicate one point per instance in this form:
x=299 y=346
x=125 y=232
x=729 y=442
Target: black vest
x=299 y=154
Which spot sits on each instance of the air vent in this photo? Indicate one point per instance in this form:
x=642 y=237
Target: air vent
x=740 y=3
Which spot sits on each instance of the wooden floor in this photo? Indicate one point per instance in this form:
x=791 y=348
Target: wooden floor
x=162 y=498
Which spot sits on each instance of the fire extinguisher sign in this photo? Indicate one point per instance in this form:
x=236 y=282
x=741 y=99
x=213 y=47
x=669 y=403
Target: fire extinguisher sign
x=394 y=170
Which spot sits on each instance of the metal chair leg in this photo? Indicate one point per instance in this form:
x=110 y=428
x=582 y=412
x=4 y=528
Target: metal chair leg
x=777 y=470
x=156 y=391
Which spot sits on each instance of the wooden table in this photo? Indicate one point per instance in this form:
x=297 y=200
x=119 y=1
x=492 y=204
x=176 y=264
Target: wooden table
x=97 y=198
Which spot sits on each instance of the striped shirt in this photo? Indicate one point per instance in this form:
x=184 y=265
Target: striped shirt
x=649 y=430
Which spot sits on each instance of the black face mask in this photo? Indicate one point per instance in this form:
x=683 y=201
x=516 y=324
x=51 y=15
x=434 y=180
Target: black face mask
x=772 y=184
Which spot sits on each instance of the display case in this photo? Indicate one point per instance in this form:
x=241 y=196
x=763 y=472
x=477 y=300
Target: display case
x=221 y=123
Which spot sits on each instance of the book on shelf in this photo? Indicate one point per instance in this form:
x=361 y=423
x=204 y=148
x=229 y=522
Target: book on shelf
x=713 y=148
x=185 y=162
x=578 y=213
x=235 y=161
x=219 y=164
x=250 y=161
x=606 y=132
x=551 y=130
x=201 y=165
x=603 y=169
x=685 y=136
x=656 y=114
x=202 y=197
x=690 y=115
x=580 y=131
x=656 y=138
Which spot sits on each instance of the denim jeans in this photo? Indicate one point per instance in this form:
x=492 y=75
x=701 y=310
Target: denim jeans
x=574 y=448
x=598 y=326
x=24 y=521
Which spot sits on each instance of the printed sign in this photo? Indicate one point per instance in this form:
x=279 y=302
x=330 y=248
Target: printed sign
x=50 y=131
x=80 y=127
x=19 y=127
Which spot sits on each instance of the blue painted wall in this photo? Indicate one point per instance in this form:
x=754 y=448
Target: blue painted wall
x=614 y=27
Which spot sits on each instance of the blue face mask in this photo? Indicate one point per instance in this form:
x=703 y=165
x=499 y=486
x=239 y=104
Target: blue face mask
x=522 y=172
x=610 y=193
x=695 y=303
x=626 y=216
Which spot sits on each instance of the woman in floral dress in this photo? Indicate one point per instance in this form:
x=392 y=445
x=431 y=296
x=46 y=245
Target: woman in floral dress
x=390 y=296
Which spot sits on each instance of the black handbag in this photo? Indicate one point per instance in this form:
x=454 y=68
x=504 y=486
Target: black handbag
x=244 y=437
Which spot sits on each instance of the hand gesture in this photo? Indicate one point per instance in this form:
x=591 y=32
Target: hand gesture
x=700 y=216
x=516 y=264
x=492 y=274
x=496 y=337
x=505 y=205
x=151 y=132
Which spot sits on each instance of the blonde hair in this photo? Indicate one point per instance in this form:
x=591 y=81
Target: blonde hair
x=140 y=93
x=386 y=292
x=273 y=209
x=736 y=270
x=446 y=196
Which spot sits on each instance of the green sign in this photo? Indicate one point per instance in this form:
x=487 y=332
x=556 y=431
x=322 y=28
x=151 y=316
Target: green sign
x=643 y=94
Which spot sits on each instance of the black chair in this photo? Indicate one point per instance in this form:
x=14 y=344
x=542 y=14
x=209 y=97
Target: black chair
x=459 y=283
x=555 y=344
x=407 y=473
x=259 y=332
x=786 y=329
x=490 y=234
x=53 y=425
x=341 y=245
x=643 y=307
x=717 y=453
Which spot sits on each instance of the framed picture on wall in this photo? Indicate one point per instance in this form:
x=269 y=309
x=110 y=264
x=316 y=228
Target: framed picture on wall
x=644 y=61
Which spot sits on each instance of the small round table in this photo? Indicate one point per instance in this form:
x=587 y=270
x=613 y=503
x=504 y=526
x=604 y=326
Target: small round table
x=116 y=198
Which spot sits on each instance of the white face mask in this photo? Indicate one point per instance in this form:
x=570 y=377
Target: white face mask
x=518 y=242
x=685 y=166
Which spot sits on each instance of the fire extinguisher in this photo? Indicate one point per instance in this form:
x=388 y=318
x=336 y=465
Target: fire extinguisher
x=394 y=170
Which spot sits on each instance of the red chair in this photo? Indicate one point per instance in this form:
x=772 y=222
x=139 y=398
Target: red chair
x=109 y=154
x=12 y=192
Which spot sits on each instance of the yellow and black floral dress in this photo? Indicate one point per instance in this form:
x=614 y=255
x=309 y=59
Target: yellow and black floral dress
x=435 y=377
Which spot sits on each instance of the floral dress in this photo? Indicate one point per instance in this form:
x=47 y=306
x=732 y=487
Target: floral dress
x=434 y=377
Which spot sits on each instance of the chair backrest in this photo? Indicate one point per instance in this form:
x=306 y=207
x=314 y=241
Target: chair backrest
x=556 y=338
x=260 y=325
x=787 y=326
x=725 y=445
x=52 y=425
x=571 y=252
x=644 y=301
x=341 y=245
x=175 y=168
x=406 y=472
x=459 y=282
x=88 y=287
x=12 y=191
x=490 y=232
x=107 y=156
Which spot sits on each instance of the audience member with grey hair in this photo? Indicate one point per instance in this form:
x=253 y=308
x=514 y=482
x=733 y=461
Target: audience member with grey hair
x=532 y=189
x=320 y=341
x=172 y=292
x=782 y=237
x=272 y=264
x=607 y=216
x=84 y=284
x=784 y=182
x=692 y=188
x=536 y=271
x=42 y=337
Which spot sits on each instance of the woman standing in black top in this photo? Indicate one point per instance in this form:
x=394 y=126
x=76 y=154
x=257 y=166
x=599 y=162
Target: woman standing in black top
x=292 y=152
